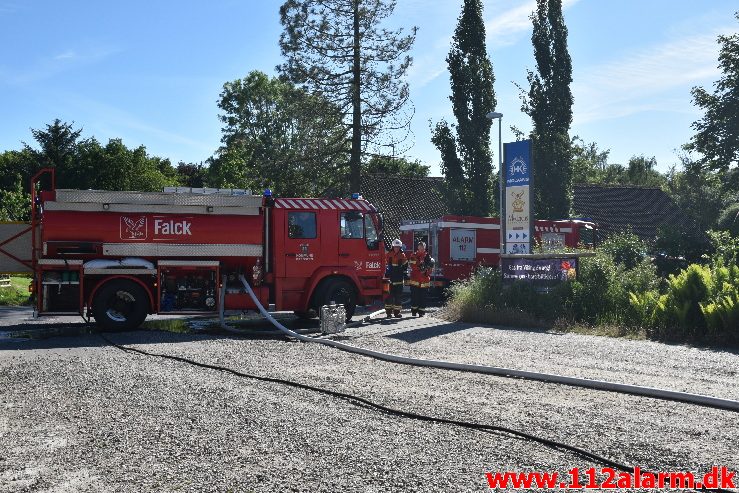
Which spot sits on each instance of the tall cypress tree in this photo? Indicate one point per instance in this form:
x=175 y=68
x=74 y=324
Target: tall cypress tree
x=549 y=104
x=466 y=159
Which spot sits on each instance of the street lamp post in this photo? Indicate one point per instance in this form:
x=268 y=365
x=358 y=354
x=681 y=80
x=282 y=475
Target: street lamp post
x=493 y=115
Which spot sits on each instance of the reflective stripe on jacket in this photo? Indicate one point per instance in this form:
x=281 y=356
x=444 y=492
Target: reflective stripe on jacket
x=420 y=269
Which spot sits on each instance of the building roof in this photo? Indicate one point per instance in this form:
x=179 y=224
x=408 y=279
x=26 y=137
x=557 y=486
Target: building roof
x=400 y=198
x=616 y=208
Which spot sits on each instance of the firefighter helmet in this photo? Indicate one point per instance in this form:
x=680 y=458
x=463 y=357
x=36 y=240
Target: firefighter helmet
x=397 y=242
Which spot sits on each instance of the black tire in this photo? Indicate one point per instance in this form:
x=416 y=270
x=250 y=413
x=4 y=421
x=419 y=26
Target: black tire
x=120 y=305
x=342 y=293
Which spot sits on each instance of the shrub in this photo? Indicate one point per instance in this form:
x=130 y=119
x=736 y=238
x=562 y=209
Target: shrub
x=725 y=248
x=545 y=306
x=483 y=299
x=682 y=240
x=480 y=292
x=642 y=307
x=678 y=314
x=721 y=309
x=481 y=289
x=626 y=249
x=728 y=220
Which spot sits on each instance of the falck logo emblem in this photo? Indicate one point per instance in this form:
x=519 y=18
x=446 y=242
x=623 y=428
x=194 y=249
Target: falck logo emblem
x=133 y=228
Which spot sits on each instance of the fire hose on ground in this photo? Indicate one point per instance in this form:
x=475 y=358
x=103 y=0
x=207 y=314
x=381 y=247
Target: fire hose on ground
x=663 y=394
x=646 y=391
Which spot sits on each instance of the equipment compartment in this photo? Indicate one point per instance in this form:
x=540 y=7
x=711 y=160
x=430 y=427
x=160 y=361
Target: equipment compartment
x=188 y=286
x=60 y=291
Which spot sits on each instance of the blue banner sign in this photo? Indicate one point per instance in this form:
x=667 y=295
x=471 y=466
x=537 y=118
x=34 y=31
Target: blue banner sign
x=518 y=163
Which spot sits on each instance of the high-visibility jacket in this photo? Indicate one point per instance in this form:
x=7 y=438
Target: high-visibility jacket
x=397 y=264
x=421 y=265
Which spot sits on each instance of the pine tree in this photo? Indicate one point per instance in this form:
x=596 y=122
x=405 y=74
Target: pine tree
x=338 y=49
x=466 y=157
x=549 y=104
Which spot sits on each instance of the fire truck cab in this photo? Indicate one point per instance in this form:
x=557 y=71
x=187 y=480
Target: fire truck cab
x=119 y=256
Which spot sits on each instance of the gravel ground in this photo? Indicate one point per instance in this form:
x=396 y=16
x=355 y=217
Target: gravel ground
x=79 y=415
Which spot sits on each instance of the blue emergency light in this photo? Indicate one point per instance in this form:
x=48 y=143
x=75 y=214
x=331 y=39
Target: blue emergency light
x=356 y=196
x=267 y=193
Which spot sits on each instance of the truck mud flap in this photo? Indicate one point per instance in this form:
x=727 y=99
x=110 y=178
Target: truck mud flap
x=15 y=248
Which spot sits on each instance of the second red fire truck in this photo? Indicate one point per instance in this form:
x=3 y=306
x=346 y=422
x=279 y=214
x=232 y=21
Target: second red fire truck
x=460 y=244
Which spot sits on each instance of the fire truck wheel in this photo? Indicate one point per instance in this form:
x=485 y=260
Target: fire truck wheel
x=341 y=292
x=120 y=305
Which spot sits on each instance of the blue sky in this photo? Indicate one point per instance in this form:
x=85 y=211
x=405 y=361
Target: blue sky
x=150 y=72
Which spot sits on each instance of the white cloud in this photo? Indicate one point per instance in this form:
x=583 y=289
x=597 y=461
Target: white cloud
x=502 y=29
x=118 y=122
x=640 y=81
x=506 y=29
x=67 y=55
x=51 y=65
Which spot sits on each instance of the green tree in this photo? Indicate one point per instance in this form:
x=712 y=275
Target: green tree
x=57 y=146
x=588 y=161
x=85 y=163
x=614 y=174
x=698 y=192
x=115 y=167
x=397 y=166
x=549 y=104
x=192 y=175
x=455 y=183
x=466 y=157
x=641 y=172
x=278 y=136
x=717 y=133
x=16 y=168
x=728 y=220
x=15 y=205
x=14 y=201
x=339 y=50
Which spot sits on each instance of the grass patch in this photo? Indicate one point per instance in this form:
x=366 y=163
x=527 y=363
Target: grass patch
x=176 y=325
x=605 y=330
x=17 y=294
x=487 y=315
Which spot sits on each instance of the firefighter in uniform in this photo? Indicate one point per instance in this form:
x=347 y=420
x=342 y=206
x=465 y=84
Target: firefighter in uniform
x=397 y=264
x=421 y=265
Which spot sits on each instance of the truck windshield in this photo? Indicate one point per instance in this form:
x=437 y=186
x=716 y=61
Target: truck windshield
x=370 y=231
x=352 y=225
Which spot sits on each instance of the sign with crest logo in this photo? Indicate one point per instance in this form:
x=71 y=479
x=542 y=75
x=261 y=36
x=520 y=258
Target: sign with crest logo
x=517 y=202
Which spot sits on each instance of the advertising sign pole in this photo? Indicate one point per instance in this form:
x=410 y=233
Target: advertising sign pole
x=517 y=173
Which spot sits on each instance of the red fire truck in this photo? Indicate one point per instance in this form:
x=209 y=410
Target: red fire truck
x=118 y=256
x=459 y=244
